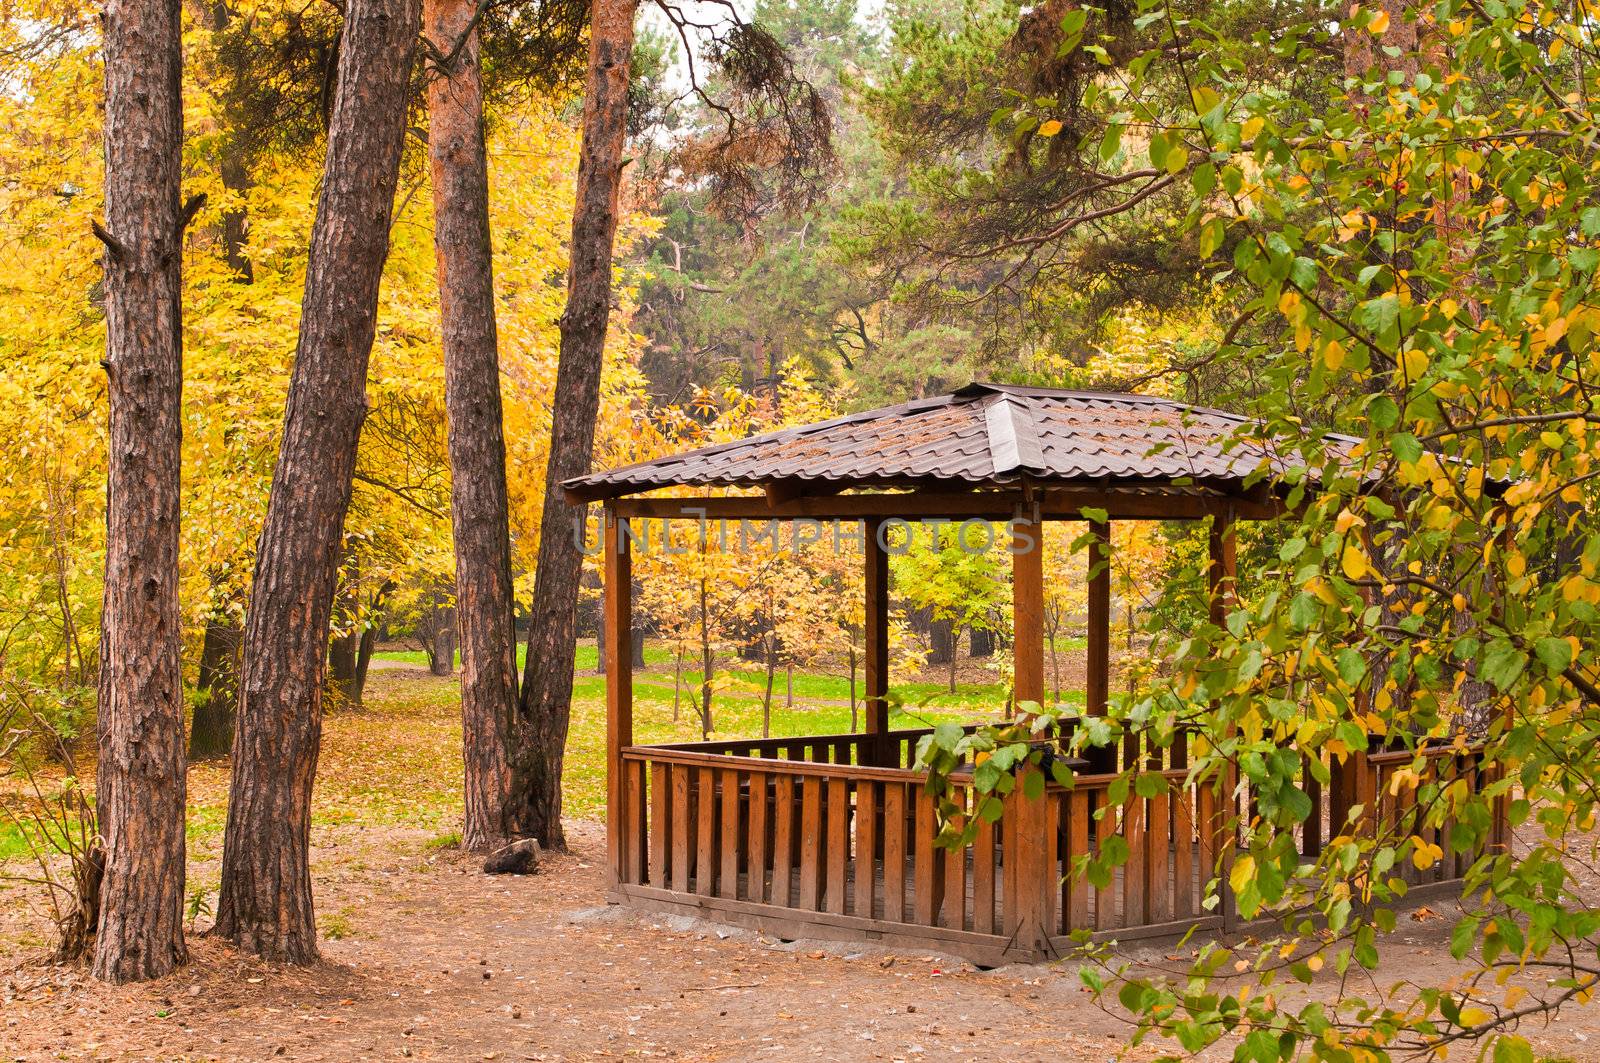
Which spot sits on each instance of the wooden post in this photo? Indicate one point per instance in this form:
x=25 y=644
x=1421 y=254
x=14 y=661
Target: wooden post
x=1220 y=584
x=1097 y=675
x=1027 y=610
x=876 y=665
x=1097 y=682
x=618 y=607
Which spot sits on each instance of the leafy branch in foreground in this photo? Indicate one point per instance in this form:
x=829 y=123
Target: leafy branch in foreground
x=1418 y=263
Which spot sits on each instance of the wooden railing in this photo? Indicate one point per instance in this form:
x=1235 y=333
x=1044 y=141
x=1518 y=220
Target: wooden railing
x=897 y=749
x=799 y=835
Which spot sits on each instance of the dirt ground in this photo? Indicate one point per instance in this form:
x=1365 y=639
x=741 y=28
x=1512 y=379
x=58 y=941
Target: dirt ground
x=427 y=958
x=434 y=960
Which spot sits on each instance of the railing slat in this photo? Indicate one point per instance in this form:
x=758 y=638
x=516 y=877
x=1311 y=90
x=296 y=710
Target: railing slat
x=756 y=852
x=660 y=832
x=1183 y=906
x=894 y=852
x=1134 y=893
x=1076 y=902
x=983 y=868
x=866 y=844
x=728 y=878
x=811 y=843
x=924 y=878
x=955 y=874
x=682 y=843
x=838 y=847
x=783 y=840
x=1158 y=839
x=705 y=861
x=1105 y=916
x=634 y=848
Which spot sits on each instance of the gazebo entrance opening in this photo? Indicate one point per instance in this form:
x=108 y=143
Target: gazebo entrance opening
x=833 y=835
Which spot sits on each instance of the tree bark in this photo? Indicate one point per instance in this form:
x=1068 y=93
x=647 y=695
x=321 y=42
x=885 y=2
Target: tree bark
x=265 y=905
x=441 y=644
x=141 y=789
x=479 y=510
x=545 y=704
x=342 y=668
x=211 y=732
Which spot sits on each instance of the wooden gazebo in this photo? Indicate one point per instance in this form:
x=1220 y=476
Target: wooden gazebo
x=832 y=835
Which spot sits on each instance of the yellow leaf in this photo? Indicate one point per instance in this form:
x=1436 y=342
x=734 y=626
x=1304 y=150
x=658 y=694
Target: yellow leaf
x=1333 y=355
x=1379 y=23
x=1244 y=869
x=1050 y=128
x=1353 y=561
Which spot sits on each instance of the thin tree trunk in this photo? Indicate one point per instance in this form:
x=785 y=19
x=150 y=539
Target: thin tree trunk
x=211 y=732
x=369 y=640
x=855 y=718
x=265 y=905
x=677 y=683
x=707 y=661
x=479 y=510
x=766 y=699
x=545 y=703
x=141 y=789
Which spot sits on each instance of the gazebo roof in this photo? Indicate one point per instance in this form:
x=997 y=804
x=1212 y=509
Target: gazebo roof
x=982 y=435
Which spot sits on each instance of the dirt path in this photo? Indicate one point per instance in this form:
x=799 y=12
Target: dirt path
x=442 y=962
x=426 y=958
x=436 y=961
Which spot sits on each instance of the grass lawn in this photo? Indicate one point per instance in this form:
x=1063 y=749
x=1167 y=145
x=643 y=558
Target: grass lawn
x=396 y=763
x=398 y=760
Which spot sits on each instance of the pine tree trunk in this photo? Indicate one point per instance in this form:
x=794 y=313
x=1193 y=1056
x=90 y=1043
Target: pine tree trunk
x=545 y=704
x=265 y=905
x=211 y=732
x=479 y=510
x=141 y=786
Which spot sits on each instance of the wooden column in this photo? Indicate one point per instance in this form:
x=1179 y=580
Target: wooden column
x=876 y=665
x=1027 y=609
x=618 y=615
x=1220 y=585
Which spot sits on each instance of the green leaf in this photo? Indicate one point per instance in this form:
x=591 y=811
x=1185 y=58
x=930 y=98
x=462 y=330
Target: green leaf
x=1352 y=666
x=1149 y=784
x=1406 y=447
x=1379 y=315
x=1555 y=654
x=1502 y=663
x=1383 y=413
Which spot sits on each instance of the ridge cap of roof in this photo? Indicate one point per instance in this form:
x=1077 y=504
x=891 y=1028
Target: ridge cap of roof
x=1013 y=435
x=981 y=387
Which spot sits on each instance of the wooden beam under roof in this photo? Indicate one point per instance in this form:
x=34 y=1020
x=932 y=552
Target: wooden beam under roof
x=1054 y=504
